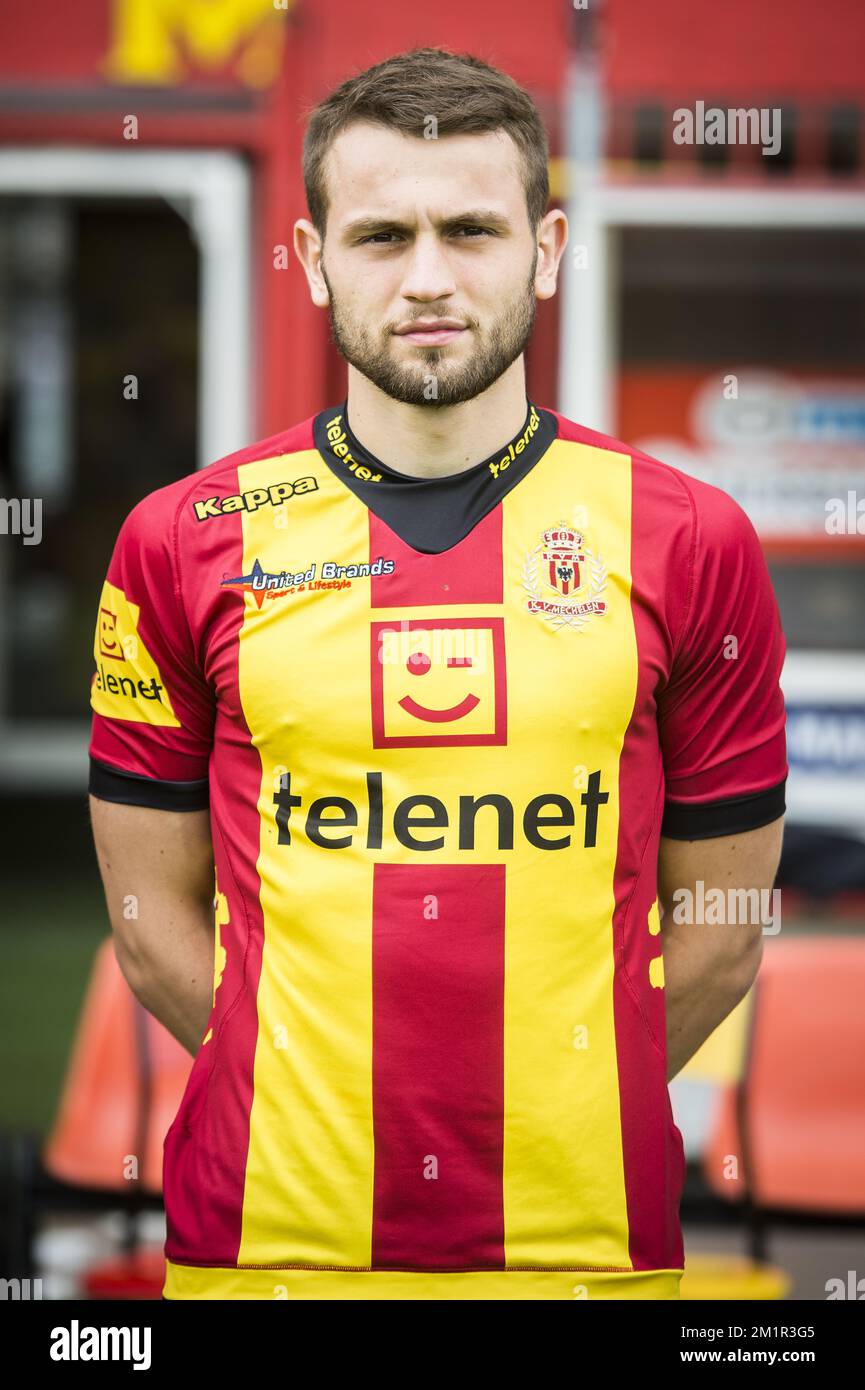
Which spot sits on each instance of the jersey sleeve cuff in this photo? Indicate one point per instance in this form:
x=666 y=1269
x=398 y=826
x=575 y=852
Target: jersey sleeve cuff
x=115 y=784
x=709 y=819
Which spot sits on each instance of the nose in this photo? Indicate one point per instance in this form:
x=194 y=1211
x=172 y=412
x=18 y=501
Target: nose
x=428 y=275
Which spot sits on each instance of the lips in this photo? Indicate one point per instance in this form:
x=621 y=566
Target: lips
x=433 y=332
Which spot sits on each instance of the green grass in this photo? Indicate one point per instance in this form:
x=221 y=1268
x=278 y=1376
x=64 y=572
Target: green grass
x=49 y=935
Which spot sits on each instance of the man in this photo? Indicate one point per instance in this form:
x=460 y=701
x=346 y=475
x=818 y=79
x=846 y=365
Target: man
x=415 y=687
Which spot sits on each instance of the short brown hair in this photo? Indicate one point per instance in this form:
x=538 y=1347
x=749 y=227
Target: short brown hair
x=466 y=96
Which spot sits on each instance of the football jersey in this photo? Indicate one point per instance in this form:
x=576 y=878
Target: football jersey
x=440 y=726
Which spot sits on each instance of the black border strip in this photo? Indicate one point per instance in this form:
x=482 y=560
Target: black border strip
x=132 y=789
x=432 y=515
x=710 y=819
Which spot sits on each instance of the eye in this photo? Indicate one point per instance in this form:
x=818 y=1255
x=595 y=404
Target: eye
x=376 y=238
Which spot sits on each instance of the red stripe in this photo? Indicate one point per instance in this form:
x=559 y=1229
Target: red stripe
x=206 y=1148
x=653 y=1151
x=652 y=1147
x=438 y=1066
x=470 y=572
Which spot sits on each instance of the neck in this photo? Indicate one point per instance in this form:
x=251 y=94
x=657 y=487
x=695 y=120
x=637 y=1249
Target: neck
x=429 y=441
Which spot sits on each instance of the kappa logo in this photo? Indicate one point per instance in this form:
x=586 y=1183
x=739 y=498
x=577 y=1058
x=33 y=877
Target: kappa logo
x=564 y=579
x=256 y=497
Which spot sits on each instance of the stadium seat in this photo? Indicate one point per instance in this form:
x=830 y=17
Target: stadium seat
x=788 y=1142
x=123 y=1087
x=138 y=1275
x=790 y=1135
x=708 y=1275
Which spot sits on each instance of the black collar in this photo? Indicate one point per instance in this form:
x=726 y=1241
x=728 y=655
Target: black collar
x=431 y=514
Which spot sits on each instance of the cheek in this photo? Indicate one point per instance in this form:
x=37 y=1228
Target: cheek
x=365 y=308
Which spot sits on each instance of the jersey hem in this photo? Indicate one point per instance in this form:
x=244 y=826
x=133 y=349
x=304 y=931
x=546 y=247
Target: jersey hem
x=220 y=1282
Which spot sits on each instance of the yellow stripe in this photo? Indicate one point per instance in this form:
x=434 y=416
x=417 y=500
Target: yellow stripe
x=184 y=1281
x=309 y=1175
x=571 y=694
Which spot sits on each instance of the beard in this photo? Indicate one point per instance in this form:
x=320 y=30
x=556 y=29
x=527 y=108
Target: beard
x=431 y=379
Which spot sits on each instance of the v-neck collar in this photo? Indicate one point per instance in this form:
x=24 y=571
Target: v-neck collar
x=431 y=514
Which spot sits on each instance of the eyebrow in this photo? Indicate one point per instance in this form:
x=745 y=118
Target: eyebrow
x=471 y=217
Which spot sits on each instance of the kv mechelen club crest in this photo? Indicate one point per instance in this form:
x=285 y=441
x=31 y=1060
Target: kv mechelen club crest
x=564 y=578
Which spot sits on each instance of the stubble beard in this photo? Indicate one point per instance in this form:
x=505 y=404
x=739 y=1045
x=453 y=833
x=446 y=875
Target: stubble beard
x=432 y=380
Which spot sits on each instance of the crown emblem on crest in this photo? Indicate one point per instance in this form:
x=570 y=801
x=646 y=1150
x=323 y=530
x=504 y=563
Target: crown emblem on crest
x=564 y=536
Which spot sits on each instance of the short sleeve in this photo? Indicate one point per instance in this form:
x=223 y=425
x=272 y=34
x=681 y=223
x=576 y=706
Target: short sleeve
x=152 y=708
x=721 y=714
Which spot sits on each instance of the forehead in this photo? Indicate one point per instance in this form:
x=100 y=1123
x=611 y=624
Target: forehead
x=370 y=168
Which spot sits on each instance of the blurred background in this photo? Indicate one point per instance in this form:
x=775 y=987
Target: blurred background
x=711 y=311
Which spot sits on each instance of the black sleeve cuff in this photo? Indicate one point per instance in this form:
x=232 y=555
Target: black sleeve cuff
x=709 y=819
x=113 y=784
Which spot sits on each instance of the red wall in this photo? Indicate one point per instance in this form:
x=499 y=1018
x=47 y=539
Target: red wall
x=54 y=87
x=55 y=61
x=795 y=49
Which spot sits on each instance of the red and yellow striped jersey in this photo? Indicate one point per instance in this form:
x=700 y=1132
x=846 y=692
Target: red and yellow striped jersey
x=440 y=726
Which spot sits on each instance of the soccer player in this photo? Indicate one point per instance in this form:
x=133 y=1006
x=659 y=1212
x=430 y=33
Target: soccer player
x=408 y=723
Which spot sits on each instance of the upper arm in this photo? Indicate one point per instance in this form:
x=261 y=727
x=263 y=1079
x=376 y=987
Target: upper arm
x=719 y=894
x=154 y=865
x=151 y=735
x=721 y=712
x=746 y=861
x=722 y=729
x=153 y=709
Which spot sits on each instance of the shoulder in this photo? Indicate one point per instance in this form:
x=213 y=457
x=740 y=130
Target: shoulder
x=665 y=494
x=156 y=516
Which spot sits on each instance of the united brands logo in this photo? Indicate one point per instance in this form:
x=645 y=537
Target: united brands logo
x=274 y=496
x=564 y=579
x=261 y=584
